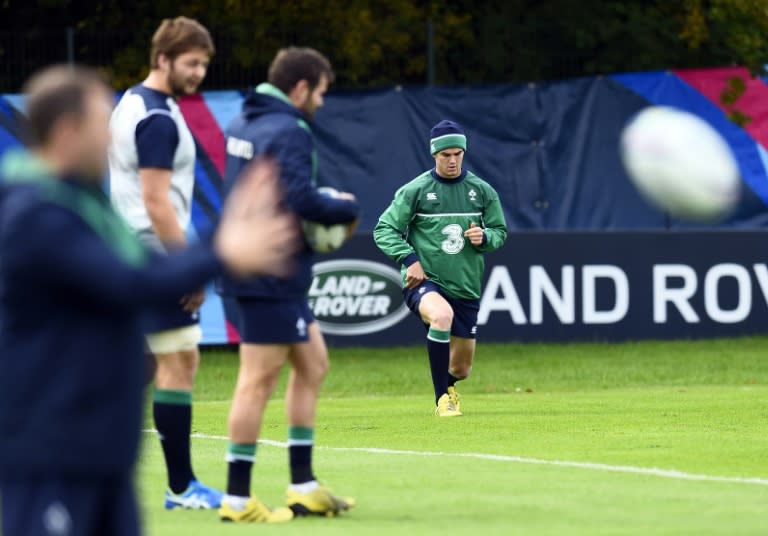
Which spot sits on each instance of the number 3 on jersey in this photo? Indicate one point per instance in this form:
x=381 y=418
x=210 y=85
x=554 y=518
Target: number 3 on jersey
x=455 y=241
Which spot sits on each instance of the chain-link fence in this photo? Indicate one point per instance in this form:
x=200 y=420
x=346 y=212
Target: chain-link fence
x=124 y=57
x=22 y=53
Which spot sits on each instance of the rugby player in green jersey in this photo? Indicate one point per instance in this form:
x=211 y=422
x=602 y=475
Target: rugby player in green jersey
x=437 y=228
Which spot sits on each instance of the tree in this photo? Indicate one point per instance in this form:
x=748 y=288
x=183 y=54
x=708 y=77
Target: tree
x=383 y=42
x=732 y=31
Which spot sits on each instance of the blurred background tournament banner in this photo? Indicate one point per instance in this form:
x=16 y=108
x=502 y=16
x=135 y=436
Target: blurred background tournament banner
x=556 y=286
x=586 y=259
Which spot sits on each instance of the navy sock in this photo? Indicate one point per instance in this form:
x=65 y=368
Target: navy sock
x=452 y=380
x=439 y=350
x=301 y=439
x=172 y=411
x=240 y=458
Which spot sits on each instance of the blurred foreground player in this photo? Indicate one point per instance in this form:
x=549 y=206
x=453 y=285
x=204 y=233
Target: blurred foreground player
x=276 y=323
x=73 y=282
x=152 y=177
x=437 y=228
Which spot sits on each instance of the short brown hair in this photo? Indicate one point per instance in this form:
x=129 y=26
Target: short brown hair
x=57 y=92
x=294 y=64
x=176 y=36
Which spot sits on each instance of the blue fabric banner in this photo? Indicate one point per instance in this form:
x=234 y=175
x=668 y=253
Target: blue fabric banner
x=549 y=149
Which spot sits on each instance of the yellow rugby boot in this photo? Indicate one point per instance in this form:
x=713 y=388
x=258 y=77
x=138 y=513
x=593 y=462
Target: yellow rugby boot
x=453 y=394
x=318 y=502
x=446 y=407
x=255 y=511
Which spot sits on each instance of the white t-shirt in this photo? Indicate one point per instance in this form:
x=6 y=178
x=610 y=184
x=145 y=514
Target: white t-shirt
x=149 y=131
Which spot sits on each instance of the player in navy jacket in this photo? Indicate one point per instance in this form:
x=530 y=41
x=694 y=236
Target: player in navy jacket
x=73 y=283
x=271 y=124
x=276 y=323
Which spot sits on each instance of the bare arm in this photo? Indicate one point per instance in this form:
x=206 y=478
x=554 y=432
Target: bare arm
x=156 y=190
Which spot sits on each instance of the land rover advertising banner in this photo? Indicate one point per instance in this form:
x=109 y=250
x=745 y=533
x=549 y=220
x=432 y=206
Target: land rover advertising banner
x=566 y=287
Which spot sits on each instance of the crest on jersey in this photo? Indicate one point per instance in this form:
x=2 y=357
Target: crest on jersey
x=472 y=195
x=57 y=520
x=301 y=327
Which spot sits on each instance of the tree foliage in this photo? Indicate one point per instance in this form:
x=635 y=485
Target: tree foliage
x=384 y=42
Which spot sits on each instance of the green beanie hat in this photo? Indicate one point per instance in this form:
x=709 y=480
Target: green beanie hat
x=447 y=135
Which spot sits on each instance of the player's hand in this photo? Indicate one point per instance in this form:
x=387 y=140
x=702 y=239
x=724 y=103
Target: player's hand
x=257 y=235
x=348 y=196
x=193 y=301
x=475 y=234
x=414 y=275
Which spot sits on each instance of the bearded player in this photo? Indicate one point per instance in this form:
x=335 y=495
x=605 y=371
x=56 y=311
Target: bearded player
x=152 y=165
x=438 y=228
x=276 y=323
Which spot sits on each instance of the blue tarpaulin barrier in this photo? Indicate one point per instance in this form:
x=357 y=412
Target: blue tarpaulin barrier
x=549 y=149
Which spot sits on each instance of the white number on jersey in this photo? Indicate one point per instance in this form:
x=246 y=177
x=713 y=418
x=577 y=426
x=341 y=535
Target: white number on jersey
x=455 y=241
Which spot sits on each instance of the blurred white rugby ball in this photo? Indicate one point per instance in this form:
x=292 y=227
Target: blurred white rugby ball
x=325 y=238
x=681 y=164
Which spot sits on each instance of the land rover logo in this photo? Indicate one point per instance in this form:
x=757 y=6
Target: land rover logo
x=355 y=297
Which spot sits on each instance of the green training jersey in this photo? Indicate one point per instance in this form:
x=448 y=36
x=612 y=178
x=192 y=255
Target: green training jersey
x=426 y=222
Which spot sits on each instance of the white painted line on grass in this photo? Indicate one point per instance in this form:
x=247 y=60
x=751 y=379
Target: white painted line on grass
x=627 y=469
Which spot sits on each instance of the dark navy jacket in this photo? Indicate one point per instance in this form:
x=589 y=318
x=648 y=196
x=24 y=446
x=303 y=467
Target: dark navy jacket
x=72 y=284
x=270 y=125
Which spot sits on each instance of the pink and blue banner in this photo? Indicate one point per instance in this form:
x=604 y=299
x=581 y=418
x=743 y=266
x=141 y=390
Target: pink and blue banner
x=549 y=149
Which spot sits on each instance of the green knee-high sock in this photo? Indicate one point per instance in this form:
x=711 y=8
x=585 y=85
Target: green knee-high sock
x=301 y=440
x=240 y=458
x=439 y=350
x=172 y=411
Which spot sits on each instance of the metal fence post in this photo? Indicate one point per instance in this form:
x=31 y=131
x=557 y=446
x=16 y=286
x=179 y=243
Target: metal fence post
x=430 y=53
x=70 y=45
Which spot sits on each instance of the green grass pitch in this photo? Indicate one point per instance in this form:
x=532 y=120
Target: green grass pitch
x=700 y=408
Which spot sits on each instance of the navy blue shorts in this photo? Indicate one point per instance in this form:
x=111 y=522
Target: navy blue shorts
x=464 y=311
x=167 y=317
x=274 y=321
x=74 y=506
